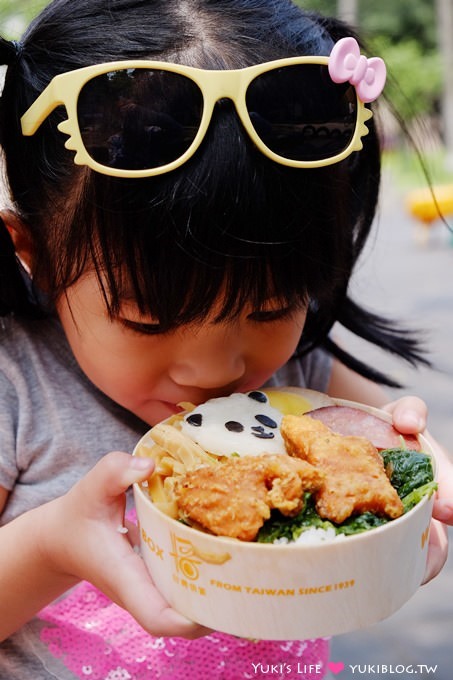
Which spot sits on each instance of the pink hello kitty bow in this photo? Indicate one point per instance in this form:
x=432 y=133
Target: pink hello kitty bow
x=346 y=64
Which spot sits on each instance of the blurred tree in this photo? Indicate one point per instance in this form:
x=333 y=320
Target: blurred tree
x=414 y=81
x=398 y=20
x=347 y=10
x=15 y=16
x=445 y=27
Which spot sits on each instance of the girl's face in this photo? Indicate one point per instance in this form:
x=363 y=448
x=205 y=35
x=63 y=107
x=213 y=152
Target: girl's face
x=149 y=373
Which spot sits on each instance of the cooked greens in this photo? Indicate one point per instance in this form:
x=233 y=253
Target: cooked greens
x=411 y=474
x=290 y=528
x=416 y=495
x=279 y=526
x=407 y=469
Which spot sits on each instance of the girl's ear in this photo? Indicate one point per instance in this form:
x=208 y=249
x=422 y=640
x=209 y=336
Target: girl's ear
x=19 y=236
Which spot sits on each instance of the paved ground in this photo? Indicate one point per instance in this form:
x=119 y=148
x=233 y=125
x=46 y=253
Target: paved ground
x=415 y=282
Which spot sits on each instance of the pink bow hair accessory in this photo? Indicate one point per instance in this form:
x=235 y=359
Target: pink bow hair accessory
x=347 y=64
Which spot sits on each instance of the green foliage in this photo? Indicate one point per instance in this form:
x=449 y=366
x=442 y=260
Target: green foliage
x=403 y=164
x=400 y=20
x=414 y=80
x=327 y=7
x=15 y=16
x=405 y=20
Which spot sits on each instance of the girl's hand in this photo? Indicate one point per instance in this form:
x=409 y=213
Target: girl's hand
x=409 y=417
x=81 y=539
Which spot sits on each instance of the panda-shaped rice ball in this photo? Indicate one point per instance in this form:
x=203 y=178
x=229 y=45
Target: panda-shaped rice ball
x=241 y=424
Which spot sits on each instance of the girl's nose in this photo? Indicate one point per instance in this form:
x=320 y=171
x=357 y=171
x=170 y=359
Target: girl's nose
x=210 y=359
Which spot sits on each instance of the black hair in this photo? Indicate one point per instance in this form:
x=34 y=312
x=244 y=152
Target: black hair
x=230 y=220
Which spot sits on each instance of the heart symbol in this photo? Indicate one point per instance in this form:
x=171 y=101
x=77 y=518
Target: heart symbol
x=335 y=667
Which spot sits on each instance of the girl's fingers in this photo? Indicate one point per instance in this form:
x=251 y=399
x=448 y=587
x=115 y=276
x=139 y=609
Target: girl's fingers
x=111 y=477
x=131 y=587
x=409 y=414
x=443 y=503
x=443 y=510
x=133 y=533
x=117 y=471
x=111 y=564
x=437 y=551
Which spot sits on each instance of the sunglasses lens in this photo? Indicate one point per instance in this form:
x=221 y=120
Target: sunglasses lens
x=300 y=113
x=139 y=119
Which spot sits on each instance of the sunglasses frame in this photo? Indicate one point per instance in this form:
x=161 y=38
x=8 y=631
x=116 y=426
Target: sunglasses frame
x=64 y=89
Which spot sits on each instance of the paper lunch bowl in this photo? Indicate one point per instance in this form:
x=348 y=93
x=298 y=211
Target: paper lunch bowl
x=290 y=591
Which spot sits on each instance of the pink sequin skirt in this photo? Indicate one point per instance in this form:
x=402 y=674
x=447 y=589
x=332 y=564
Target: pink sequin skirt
x=97 y=640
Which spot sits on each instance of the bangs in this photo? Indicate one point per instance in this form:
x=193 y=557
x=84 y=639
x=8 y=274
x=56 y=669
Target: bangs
x=177 y=272
x=177 y=295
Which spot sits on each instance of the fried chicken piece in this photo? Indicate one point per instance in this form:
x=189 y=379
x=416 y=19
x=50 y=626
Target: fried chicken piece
x=236 y=497
x=355 y=478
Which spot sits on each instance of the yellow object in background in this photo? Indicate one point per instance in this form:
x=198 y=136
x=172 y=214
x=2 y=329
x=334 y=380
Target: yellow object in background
x=430 y=204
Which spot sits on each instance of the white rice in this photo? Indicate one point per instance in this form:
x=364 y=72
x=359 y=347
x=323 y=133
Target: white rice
x=313 y=536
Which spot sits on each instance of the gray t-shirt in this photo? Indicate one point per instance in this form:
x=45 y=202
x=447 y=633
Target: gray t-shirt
x=54 y=426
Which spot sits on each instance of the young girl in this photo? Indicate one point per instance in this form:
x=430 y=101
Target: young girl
x=162 y=256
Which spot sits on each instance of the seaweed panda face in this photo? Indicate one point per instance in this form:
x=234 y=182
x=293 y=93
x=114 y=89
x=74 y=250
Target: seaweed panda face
x=242 y=424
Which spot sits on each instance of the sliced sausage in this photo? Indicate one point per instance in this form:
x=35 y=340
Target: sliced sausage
x=347 y=420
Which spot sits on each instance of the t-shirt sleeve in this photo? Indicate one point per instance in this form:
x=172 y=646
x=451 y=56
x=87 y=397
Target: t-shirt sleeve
x=8 y=426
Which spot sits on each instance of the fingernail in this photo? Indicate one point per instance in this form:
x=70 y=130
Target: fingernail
x=414 y=421
x=141 y=463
